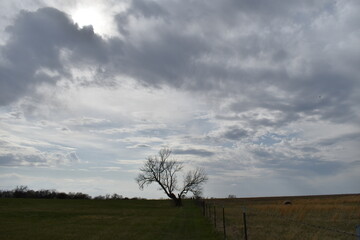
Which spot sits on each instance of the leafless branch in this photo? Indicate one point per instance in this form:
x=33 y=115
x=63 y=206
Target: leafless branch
x=162 y=170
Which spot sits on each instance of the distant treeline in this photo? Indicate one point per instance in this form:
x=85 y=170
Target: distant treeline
x=25 y=192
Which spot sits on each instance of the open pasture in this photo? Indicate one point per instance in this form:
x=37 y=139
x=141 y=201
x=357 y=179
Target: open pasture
x=101 y=219
x=309 y=217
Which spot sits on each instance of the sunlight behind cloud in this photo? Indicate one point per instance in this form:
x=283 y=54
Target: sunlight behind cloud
x=98 y=16
x=88 y=16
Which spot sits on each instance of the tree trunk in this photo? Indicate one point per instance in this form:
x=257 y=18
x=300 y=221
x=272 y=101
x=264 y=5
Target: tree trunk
x=177 y=200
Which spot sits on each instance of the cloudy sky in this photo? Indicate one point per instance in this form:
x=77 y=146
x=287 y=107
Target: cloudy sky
x=265 y=95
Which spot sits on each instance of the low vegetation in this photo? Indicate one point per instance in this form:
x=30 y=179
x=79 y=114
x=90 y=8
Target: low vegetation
x=97 y=219
x=48 y=214
x=25 y=192
x=285 y=218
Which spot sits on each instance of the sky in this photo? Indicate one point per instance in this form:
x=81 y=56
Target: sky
x=264 y=95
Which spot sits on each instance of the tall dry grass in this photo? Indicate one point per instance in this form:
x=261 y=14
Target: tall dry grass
x=269 y=218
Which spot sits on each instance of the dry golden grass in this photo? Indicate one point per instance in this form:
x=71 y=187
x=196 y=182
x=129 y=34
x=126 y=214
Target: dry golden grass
x=269 y=218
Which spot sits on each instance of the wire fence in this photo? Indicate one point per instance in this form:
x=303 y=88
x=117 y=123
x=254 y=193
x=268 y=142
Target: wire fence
x=248 y=223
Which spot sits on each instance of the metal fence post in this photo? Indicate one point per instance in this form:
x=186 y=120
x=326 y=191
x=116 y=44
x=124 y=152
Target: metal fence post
x=244 y=218
x=358 y=232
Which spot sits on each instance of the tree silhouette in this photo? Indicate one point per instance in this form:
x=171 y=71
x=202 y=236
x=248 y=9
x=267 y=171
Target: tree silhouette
x=162 y=170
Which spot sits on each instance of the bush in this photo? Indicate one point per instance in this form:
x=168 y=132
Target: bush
x=25 y=192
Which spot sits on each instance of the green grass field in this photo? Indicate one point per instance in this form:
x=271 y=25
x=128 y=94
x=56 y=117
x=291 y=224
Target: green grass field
x=102 y=219
x=269 y=218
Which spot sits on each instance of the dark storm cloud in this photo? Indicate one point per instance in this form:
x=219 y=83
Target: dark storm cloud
x=165 y=54
x=138 y=9
x=282 y=57
x=165 y=61
x=147 y=9
x=38 y=40
x=192 y=51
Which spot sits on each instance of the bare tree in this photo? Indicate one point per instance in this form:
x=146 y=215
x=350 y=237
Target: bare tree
x=162 y=170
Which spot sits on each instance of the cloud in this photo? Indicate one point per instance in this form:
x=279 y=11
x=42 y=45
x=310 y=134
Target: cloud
x=41 y=40
x=197 y=152
x=286 y=164
x=277 y=85
x=343 y=138
x=36 y=158
x=258 y=62
x=234 y=133
x=22 y=152
x=139 y=146
x=109 y=169
x=270 y=63
x=152 y=128
x=86 y=121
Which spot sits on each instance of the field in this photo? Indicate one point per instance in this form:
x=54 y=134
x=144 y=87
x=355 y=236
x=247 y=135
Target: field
x=101 y=219
x=331 y=217
x=306 y=218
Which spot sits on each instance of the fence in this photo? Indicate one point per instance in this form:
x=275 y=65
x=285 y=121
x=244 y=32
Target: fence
x=251 y=224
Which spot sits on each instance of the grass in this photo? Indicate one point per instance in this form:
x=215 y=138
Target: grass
x=99 y=219
x=269 y=218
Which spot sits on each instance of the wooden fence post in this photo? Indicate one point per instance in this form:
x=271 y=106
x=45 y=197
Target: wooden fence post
x=215 y=216
x=244 y=218
x=209 y=209
x=203 y=206
x=224 y=222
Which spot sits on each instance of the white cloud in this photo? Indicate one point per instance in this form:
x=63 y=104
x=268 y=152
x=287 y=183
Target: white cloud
x=12 y=154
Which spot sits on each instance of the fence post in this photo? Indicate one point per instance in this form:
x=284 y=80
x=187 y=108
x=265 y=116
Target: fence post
x=358 y=232
x=209 y=211
x=244 y=218
x=224 y=222
x=215 y=216
x=203 y=207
